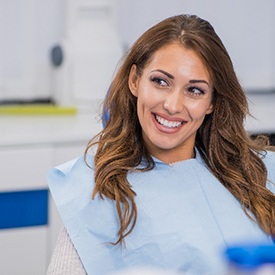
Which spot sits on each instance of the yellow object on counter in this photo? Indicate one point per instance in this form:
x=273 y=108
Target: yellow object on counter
x=36 y=110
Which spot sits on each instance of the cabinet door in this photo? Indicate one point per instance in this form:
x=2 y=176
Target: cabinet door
x=24 y=244
x=23 y=251
x=24 y=168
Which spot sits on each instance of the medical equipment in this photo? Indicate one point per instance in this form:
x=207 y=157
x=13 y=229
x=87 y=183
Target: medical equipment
x=86 y=57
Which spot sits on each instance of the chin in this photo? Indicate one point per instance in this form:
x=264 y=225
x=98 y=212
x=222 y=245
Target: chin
x=165 y=146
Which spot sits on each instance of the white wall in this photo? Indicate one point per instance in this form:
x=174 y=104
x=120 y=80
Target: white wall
x=29 y=28
x=247 y=28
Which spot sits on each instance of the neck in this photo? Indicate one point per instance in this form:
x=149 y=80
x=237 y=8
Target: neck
x=171 y=157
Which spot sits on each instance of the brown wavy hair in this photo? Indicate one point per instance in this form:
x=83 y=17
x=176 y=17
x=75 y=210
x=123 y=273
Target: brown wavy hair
x=226 y=148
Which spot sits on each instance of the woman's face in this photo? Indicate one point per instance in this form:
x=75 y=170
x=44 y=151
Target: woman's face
x=174 y=93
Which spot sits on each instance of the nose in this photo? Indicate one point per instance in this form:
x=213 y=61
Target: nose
x=174 y=102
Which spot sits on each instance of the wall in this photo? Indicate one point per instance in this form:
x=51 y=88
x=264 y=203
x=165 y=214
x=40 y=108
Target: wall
x=247 y=28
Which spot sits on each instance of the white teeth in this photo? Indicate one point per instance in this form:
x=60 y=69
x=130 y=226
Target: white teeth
x=166 y=123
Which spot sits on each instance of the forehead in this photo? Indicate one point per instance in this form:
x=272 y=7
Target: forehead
x=176 y=57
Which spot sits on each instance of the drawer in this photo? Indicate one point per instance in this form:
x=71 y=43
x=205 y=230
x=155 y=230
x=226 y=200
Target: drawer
x=24 y=251
x=25 y=167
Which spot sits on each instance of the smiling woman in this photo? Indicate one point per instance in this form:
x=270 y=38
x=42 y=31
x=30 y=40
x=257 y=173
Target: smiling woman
x=173 y=98
x=174 y=177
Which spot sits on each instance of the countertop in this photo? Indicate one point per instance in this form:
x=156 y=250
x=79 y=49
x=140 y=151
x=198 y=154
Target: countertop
x=43 y=129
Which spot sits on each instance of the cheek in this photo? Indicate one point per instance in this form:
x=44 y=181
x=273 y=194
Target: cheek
x=199 y=110
x=147 y=98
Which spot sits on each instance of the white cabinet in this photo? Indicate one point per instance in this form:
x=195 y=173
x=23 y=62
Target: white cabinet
x=24 y=251
x=29 y=148
x=23 y=166
x=23 y=247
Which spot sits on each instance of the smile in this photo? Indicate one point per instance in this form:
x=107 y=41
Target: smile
x=167 y=123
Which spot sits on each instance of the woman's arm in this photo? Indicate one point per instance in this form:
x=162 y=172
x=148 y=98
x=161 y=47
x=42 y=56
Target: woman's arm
x=65 y=259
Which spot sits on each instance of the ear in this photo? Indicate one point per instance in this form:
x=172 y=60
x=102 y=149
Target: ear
x=210 y=109
x=133 y=81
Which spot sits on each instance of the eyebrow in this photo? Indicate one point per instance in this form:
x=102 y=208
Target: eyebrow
x=167 y=74
x=192 y=81
x=198 y=81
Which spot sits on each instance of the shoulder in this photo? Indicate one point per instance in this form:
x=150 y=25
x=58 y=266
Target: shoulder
x=65 y=259
x=269 y=161
x=66 y=168
x=71 y=178
x=269 y=156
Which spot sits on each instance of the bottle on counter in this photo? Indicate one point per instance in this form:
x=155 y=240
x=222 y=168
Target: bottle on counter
x=251 y=260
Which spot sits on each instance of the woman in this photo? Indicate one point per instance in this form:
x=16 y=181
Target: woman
x=175 y=177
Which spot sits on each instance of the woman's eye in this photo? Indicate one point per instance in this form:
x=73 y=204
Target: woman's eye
x=196 y=91
x=159 y=81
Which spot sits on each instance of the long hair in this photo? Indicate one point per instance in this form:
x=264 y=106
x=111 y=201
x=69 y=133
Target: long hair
x=226 y=148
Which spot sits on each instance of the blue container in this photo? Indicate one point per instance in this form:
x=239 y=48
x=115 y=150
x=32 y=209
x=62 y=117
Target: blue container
x=251 y=259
